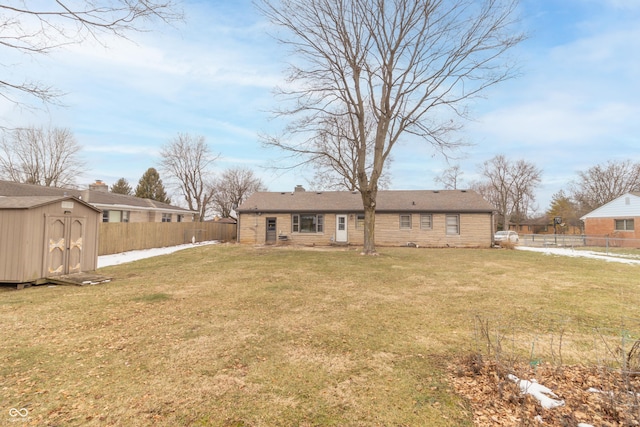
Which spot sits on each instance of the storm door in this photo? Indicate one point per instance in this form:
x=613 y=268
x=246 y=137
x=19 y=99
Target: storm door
x=271 y=230
x=341 y=228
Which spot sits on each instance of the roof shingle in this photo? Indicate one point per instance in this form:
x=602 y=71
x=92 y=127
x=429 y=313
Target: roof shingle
x=387 y=201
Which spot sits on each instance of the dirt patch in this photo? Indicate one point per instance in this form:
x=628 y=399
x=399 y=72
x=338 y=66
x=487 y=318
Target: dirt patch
x=596 y=396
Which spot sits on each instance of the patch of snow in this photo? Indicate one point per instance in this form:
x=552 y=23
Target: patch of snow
x=124 y=257
x=538 y=391
x=580 y=253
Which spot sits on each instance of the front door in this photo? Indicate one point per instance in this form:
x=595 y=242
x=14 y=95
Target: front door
x=64 y=245
x=271 y=230
x=341 y=228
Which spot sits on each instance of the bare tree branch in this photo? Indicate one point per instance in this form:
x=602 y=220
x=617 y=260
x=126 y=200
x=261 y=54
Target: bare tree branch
x=32 y=29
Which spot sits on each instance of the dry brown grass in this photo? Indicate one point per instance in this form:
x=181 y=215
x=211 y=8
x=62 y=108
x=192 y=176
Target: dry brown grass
x=230 y=336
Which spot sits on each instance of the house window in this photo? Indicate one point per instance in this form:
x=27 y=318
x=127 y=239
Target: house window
x=453 y=225
x=624 y=225
x=307 y=223
x=405 y=222
x=179 y=218
x=166 y=217
x=425 y=221
x=115 y=216
x=359 y=221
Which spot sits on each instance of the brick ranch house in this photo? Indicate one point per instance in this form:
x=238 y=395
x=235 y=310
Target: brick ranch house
x=114 y=207
x=445 y=218
x=618 y=218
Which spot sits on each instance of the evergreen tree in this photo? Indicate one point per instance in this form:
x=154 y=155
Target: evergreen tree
x=563 y=207
x=150 y=187
x=122 y=187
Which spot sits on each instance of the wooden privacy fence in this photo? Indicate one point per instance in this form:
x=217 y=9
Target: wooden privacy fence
x=116 y=237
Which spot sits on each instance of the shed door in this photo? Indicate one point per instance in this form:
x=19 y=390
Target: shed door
x=64 y=245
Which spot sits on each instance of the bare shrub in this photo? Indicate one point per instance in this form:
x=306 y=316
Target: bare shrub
x=507 y=244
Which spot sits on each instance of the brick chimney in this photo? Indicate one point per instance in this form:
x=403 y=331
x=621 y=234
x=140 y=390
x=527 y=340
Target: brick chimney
x=299 y=188
x=99 y=186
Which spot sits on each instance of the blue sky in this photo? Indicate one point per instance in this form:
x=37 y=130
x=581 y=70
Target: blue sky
x=575 y=104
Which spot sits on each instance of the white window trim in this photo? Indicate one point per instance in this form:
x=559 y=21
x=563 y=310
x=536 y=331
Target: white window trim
x=295 y=223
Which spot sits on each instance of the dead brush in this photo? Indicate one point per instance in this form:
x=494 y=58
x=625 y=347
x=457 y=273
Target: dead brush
x=622 y=400
x=507 y=244
x=633 y=359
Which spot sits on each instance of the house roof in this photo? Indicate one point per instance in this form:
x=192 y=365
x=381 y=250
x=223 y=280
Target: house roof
x=387 y=201
x=627 y=205
x=99 y=199
x=30 y=202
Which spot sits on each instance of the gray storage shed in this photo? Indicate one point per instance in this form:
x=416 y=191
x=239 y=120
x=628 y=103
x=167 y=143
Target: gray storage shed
x=46 y=236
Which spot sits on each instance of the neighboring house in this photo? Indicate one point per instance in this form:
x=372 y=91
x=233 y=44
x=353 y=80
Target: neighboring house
x=223 y=220
x=618 y=218
x=454 y=218
x=544 y=225
x=115 y=207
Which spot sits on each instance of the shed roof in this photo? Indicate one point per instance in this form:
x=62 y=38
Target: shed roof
x=98 y=198
x=387 y=201
x=31 y=202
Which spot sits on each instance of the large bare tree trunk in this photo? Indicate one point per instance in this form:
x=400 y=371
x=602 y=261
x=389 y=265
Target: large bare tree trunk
x=369 y=204
x=369 y=231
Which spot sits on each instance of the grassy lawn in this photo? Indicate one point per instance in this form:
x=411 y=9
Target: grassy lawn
x=227 y=335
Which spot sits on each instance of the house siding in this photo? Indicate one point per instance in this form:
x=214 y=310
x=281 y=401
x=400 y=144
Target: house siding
x=475 y=230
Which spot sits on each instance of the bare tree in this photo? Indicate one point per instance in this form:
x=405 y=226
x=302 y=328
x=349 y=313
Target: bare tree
x=450 y=177
x=39 y=28
x=232 y=188
x=526 y=179
x=509 y=186
x=48 y=157
x=602 y=183
x=188 y=160
x=405 y=66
